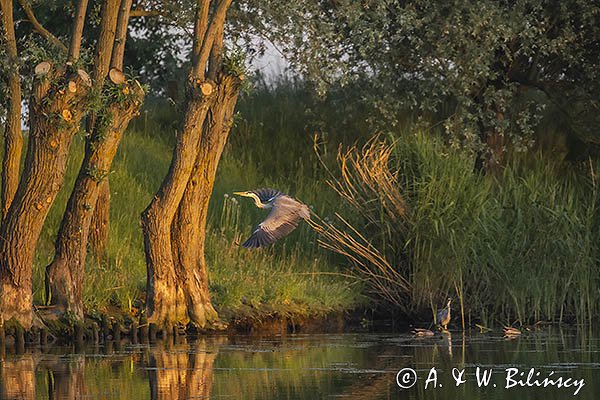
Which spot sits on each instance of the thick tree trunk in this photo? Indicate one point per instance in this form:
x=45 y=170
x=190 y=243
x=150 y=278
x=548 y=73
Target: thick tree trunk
x=165 y=303
x=170 y=289
x=66 y=272
x=101 y=219
x=189 y=226
x=65 y=275
x=13 y=140
x=55 y=113
x=100 y=222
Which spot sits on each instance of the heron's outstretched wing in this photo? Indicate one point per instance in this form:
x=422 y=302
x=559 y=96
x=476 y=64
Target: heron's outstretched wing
x=284 y=217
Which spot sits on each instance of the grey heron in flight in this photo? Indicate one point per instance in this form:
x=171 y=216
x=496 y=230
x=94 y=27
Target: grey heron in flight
x=286 y=213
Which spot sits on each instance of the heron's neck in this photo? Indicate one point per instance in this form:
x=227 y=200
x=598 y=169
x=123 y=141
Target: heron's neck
x=259 y=203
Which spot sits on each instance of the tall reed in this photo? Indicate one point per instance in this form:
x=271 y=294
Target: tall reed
x=424 y=226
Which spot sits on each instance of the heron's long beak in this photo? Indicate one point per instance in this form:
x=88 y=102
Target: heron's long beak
x=245 y=194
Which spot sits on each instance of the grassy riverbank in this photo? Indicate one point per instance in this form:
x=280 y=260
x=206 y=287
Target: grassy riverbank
x=292 y=279
x=522 y=247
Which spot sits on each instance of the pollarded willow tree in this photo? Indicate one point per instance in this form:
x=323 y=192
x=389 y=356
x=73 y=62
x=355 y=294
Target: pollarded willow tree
x=62 y=94
x=58 y=103
x=174 y=223
x=119 y=101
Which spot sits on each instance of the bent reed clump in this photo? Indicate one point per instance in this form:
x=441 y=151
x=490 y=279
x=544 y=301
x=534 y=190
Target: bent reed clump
x=421 y=225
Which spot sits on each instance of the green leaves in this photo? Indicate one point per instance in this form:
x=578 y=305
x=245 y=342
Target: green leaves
x=498 y=65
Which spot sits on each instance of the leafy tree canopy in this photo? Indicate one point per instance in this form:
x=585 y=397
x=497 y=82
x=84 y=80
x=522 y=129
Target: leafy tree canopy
x=486 y=66
x=500 y=65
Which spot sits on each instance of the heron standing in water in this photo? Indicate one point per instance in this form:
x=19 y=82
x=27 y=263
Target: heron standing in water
x=443 y=316
x=286 y=213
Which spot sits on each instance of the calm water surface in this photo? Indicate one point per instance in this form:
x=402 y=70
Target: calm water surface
x=338 y=366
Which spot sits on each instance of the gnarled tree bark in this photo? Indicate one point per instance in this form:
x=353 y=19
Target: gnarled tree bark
x=13 y=140
x=100 y=223
x=164 y=299
x=188 y=231
x=177 y=288
x=55 y=114
x=57 y=104
x=65 y=275
x=66 y=272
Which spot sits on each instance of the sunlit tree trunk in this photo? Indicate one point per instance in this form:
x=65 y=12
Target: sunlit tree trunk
x=56 y=108
x=66 y=272
x=13 y=140
x=176 y=278
x=189 y=226
x=165 y=301
x=98 y=240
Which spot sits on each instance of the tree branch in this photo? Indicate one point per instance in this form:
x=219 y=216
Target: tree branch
x=121 y=35
x=106 y=38
x=216 y=53
x=39 y=28
x=104 y=47
x=200 y=28
x=75 y=46
x=218 y=21
x=7 y=32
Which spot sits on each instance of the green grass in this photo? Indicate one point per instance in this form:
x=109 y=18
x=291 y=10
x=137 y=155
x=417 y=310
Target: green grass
x=293 y=278
x=522 y=248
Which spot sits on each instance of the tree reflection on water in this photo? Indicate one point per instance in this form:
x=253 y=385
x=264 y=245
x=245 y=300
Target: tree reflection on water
x=354 y=366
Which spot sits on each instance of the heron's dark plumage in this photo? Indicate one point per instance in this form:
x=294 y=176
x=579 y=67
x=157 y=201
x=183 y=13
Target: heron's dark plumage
x=285 y=215
x=266 y=194
x=259 y=238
